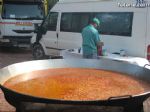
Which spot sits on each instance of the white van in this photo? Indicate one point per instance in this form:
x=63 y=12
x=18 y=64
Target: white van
x=125 y=24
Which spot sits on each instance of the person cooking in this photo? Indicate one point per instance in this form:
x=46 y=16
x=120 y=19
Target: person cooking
x=91 y=40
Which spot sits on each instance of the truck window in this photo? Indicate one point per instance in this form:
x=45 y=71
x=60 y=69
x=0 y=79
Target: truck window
x=115 y=23
x=23 y=11
x=52 y=22
x=74 y=22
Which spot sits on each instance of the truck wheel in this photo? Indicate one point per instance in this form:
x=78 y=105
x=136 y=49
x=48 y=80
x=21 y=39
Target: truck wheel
x=38 y=52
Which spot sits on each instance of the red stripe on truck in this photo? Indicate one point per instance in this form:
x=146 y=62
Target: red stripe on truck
x=7 y=22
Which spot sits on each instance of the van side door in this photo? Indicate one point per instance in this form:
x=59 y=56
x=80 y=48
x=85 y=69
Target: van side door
x=50 y=38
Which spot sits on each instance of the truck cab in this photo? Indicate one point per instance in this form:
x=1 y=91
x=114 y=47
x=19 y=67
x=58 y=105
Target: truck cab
x=18 y=21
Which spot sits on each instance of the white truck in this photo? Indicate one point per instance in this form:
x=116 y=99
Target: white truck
x=18 y=21
x=125 y=25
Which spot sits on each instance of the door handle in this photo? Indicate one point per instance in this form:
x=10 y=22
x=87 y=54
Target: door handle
x=57 y=35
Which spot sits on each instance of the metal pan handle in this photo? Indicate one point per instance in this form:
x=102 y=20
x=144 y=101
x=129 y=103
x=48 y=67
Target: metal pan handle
x=146 y=65
x=120 y=97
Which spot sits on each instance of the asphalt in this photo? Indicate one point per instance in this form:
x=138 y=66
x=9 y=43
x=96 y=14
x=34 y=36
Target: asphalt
x=12 y=55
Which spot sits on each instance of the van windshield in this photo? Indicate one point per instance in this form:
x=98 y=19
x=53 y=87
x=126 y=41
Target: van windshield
x=23 y=11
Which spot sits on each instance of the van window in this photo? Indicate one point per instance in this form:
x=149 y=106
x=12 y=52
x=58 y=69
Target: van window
x=74 y=22
x=52 y=22
x=45 y=23
x=66 y=22
x=115 y=23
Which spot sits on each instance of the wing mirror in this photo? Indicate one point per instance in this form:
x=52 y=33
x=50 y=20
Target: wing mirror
x=40 y=29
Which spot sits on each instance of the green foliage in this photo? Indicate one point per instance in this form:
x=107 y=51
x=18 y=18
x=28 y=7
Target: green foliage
x=0 y=9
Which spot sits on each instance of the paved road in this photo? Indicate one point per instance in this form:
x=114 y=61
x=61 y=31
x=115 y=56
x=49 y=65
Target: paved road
x=14 y=55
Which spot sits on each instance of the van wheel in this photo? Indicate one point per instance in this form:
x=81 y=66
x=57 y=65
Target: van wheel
x=38 y=52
